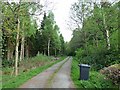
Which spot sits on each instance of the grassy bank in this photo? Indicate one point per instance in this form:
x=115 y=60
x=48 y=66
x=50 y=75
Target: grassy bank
x=14 y=82
x=96 y=80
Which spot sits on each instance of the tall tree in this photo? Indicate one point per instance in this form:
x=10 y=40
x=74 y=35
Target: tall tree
x=62 y=45
x=48 y=30
x=97 y=35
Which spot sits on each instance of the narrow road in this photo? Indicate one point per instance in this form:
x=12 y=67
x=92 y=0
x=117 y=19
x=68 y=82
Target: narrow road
x=57 y=76
x=62 y=78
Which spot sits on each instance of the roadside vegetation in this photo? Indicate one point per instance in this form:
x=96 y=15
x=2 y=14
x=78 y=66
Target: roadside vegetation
x=96 y=42
x=96 y=79
x=27 y=45
x=23 y=37
x=33 y=67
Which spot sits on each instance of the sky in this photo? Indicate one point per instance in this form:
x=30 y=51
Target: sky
x=61 y=13
x=61 y=10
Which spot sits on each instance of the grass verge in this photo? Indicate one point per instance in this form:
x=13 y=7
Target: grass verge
x=23 y=77
x=96 y=80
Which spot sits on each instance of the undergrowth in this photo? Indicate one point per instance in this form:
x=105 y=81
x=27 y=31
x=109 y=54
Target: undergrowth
x=96 y=80
x=9 y=81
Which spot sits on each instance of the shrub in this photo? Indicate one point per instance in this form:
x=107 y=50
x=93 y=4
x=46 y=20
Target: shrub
x=112 y=72
x=98 y=58
x=96 y=79
x=6 y=63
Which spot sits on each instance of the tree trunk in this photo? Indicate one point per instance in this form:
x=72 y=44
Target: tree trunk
x=22 y=48
x=107 y=39
x=44 y=52
x=11 y=54
x=49 y=47
x=8 y=54
x=16 y=48
x=8 y=49
x=55 y=51
x=106 y=32
x=27 y=51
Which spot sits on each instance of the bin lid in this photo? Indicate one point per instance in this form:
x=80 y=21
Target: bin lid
x=84 y=65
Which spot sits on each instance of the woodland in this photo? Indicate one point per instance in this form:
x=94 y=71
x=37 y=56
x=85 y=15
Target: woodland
x=95 y=41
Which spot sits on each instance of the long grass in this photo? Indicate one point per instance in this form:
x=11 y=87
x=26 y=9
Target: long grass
x=15 y=82
x=96 y=80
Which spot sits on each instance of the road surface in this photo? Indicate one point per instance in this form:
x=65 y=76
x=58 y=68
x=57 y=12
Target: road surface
x=57 y=76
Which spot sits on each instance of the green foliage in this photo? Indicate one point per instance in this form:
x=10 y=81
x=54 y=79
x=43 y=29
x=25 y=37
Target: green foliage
x=49 y=31
x=62 y=45
x=90 y=43
x=35 y=38
x=76 y=41
x=99 y=58
x=1 y=43
x=15 y=81
x=96 y=80
x=6 y=63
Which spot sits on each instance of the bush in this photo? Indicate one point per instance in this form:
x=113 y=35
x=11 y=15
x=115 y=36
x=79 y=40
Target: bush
x=6 y=63
x=98 y=58
x=112 y=72
x=96 y=79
